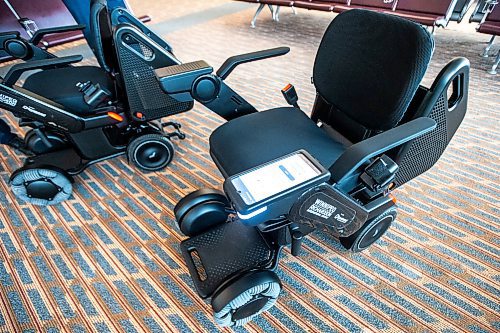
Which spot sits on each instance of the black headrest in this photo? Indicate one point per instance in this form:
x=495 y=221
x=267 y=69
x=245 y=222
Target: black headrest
x=101 y=34
x=369 y=66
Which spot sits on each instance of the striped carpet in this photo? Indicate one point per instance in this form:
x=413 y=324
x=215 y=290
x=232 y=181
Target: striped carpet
x=108 y=260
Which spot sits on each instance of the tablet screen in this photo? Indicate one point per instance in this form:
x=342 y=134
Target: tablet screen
x=271 y=179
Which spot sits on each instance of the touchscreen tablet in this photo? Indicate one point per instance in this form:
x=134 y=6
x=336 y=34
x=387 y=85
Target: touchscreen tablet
x=271 y=179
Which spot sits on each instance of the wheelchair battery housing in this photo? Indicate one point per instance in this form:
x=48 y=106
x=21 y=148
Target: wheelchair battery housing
x=271 y=189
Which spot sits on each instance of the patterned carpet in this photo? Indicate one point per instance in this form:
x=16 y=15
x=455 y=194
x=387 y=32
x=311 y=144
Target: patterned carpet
x=108 y=260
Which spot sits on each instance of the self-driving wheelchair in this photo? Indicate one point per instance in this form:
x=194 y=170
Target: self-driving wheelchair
x=372 y=129
x=80 y=115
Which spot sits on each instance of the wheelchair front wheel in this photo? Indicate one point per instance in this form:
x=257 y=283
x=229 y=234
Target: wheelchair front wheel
x=239 y=301
x=370 y=232
x=150 y=152
x=41 y=186
x=200 y=211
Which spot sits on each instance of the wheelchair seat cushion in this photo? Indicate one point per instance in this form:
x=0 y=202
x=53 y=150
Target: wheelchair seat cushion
x=59 y=85
x=257 y=138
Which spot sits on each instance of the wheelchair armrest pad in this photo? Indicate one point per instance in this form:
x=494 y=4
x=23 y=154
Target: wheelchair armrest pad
x=179 y=78
x=230 y=64
x=5 y=36
x=359 y=153
x=15 y=71
x=40 y=33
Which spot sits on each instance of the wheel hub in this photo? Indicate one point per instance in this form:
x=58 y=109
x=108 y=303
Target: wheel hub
x=42 y=189
x=251 y=308
x=376 y=232
x=152 y=155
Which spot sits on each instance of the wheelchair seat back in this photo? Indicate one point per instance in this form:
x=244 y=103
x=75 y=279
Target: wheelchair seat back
x=384 y=91
x=101 y=41
x=131 y=55
x=364 y=84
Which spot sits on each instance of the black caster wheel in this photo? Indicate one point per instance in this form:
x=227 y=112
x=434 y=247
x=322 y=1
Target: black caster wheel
x=41 y=186
x=150 y=152
x=201 y=210
x=239 y=301
x=370 y=232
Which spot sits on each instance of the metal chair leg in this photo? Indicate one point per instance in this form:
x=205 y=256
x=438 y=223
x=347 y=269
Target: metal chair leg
x=261 y=6
x=493 y=69
x=271 y=8
x=277 y=13
x=488 y=47
x=294 y=10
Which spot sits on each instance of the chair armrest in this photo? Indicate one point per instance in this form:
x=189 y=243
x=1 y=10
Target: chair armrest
x=39 y=34
x=5 y=36
x=179 y=78
x=359 y=153
x=16 y=71
x=230 y=64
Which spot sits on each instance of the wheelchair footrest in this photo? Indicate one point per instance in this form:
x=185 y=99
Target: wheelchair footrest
x=216 y=255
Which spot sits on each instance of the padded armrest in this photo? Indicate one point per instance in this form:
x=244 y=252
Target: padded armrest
x=15 y=71
x=39 y=34
x=359 y=153
x=230 y=64
x=179 y=78
x=5 y=36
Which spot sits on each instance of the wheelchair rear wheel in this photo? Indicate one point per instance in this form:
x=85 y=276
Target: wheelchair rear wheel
x=150 y=152
x=240 y=300
x=41 y=186
x=370 y=232
x=200 y=211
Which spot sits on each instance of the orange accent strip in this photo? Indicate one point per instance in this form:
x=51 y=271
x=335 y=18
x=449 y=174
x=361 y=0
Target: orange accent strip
x=393 y=198
x=288 y=86
x=115 y=116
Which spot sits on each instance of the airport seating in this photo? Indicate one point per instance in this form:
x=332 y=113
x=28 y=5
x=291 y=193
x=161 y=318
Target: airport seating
x=480 y=11
x=429 y=13
x=377 y=5
x=461 y=8
x=490 y=25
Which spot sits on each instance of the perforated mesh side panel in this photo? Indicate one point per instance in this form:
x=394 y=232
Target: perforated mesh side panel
x=143 y=91
x=425 y=151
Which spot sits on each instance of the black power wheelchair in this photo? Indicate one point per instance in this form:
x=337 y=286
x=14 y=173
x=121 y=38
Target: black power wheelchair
x=372 y=129
x=80 y=115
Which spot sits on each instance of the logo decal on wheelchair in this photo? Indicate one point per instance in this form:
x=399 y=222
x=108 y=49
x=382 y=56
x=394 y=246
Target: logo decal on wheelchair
x=8 y=100
x=33 y=110
x=322 y=209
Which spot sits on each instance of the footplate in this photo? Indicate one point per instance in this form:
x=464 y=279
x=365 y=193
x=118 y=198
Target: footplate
x=215 y=256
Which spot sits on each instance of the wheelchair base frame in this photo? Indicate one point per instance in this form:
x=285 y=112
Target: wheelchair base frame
x=217 y=257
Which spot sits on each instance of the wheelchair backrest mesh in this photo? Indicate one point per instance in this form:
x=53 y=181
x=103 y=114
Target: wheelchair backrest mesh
x=369 y=66
x=102 y=35
x=447 y=107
